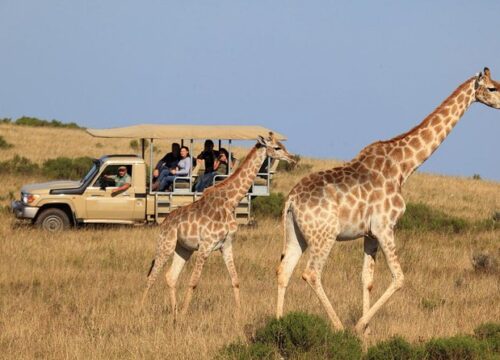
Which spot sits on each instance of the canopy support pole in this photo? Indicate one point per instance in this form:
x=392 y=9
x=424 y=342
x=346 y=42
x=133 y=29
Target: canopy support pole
x=150 y=165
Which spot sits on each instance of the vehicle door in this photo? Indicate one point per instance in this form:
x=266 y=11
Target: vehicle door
x=102 y=204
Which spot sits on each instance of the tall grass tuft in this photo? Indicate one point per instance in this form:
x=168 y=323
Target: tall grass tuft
x=4 y=144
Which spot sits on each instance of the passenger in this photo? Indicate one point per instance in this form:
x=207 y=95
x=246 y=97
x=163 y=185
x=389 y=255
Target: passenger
x=122 y=180
x=208 y=156
x=166 y=163
x=221 y=167
x=183 y=168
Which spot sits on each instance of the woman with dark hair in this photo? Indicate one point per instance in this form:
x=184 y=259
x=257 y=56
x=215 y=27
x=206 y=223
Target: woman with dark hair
x=183 y=168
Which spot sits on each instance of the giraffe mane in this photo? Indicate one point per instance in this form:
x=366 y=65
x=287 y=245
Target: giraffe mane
x=424 y=122
x=234 y=174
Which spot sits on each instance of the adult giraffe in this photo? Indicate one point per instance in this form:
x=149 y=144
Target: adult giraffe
x=363 y=199
x=208 y=224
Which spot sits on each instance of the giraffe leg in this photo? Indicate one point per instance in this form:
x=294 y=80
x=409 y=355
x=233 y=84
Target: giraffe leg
x=227 y=254
x=181 y=256
x=166 y=246
x=312 y=275
x=195 y=277
x=386 y=242
x=294 y=247
x=370 y=250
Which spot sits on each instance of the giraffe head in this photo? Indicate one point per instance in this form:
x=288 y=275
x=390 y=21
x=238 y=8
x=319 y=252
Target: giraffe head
x=275 y=149
x=487 y=90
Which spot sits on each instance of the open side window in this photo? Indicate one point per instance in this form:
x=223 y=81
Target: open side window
x=106 y=178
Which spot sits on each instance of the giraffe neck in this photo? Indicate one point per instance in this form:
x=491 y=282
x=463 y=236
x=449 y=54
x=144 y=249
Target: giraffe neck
x=411 y=149
x=238 y=184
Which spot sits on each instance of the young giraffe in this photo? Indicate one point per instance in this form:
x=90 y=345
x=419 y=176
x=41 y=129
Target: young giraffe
x=209 y=224
x=363 y=199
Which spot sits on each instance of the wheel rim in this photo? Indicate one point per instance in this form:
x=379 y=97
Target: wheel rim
x=53 y=223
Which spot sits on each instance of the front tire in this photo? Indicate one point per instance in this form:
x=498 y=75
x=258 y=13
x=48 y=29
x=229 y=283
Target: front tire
x=53 y=220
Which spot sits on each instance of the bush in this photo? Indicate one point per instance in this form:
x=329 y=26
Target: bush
x=136 y=145
x=483 y=262
x=66 y=168
x=19 y=165
x=310 y=336
x=455 y=348
x=4 y=144
x=423 y=218
x=269 y=206
x=32 y=121
x=5 y=120
x=247 y=352
x=396 y=348
x=489 y=332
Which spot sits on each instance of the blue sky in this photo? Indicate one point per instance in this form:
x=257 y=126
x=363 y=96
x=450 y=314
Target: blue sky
x=332 y=76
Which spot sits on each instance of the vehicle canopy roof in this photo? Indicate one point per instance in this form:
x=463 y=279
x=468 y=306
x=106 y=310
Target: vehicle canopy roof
x=194 y=132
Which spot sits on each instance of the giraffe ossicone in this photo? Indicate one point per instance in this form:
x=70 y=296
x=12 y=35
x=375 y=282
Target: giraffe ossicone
x=363 y=199
x=208 y=224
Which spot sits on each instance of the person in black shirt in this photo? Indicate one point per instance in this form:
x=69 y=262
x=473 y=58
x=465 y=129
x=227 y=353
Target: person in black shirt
x=208 y=155
x=169 y=161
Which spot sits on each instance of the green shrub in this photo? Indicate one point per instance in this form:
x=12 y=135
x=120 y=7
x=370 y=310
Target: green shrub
x=489 y=332
x=295 y=332
x=19 y=165
x=308 y=337
x=421 y=217
x=254 y=351
x=4 y=144
x=137 y=146
x=396 y=348
x=269 y=206
x=33 y=121
x=66 y=168
x=5 y=120
x=344 y=345
x=455 y=348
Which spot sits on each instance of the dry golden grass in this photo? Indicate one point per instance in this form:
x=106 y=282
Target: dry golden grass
x=75 y=294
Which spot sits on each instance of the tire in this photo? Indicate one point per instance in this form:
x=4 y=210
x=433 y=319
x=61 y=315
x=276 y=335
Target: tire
x=53 y=220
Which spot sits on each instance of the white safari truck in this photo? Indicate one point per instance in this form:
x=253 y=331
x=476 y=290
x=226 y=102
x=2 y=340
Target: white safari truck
x=58 y=205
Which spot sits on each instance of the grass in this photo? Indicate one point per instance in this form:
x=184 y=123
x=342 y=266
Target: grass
x=75 y=294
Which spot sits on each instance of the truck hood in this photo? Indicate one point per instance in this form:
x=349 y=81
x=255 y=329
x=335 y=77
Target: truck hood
x=47 y=186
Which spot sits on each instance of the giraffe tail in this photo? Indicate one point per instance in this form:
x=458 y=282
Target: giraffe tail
x=286 y=210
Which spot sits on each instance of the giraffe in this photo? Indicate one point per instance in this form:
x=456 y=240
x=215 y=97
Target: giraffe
x=209 y=224
x=363 y=198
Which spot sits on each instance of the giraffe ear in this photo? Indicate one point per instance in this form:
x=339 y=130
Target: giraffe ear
x=479 y=80
x=487 y=73
x=261 y=140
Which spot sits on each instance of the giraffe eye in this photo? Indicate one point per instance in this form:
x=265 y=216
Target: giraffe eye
x=492 y=89
x=277 y=148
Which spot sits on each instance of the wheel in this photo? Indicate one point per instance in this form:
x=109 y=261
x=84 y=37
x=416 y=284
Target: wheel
x=52 y=220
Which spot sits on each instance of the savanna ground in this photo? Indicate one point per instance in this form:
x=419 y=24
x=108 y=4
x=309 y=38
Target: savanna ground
x=76 y=294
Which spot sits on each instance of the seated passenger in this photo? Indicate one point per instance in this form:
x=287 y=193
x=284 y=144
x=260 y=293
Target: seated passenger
x=220 y=167
x=167 y=162
x=183 y=168
x=208 y=156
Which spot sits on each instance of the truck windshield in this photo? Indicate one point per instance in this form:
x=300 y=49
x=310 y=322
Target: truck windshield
x=93 y=170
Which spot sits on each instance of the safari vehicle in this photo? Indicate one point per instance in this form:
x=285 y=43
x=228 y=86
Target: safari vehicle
x=58 y=205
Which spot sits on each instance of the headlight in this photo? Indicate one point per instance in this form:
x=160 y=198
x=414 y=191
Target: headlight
x=29 y=198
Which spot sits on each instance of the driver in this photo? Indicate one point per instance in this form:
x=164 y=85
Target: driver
x=122 y=180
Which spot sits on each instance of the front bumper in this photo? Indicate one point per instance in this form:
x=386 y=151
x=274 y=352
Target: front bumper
x=21 y=211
